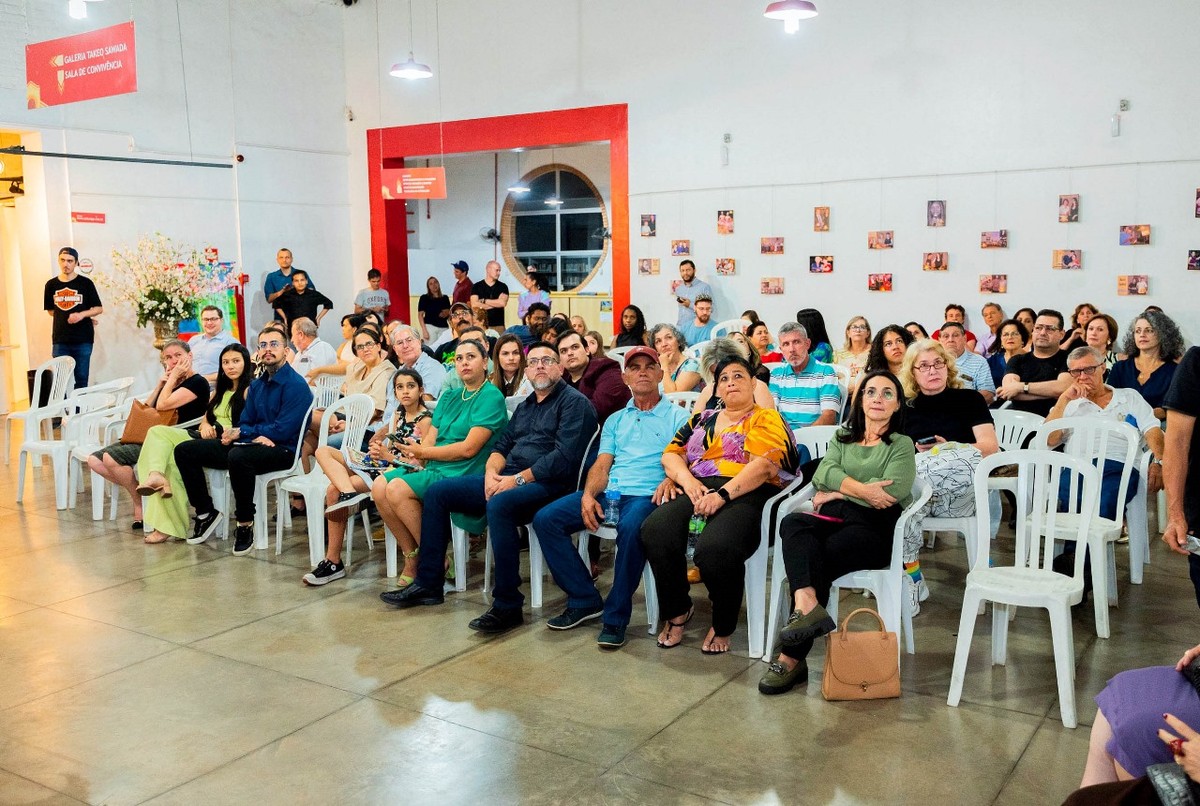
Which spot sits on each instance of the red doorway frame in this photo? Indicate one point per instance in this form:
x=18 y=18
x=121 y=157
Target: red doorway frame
x=388 y=147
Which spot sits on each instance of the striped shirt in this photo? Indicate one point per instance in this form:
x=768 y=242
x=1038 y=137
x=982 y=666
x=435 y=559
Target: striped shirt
x=975 y=373
x=801 y=396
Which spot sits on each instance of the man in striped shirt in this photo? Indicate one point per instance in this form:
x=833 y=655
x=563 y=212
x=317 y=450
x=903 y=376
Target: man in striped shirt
x=806 y=391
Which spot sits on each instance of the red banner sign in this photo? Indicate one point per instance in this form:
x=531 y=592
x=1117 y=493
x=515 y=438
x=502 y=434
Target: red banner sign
x=87 y=218
x=81 y=67
x=414 y=183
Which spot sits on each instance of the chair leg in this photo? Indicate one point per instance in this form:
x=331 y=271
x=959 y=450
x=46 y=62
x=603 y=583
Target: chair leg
x=651 y=589
x=461 y=544
x=962 y=650
x=58 y=459
x=20 y=476
x=97 y=485
x=1111 y=562
x=777 y=581
x=261 y=513
x=756 y=602
x=1064 y=667
x=999 y=634
x=1100 y=588
x=536 y=568
x=7 y=438
x=906 y=618
x=389 y=548
x=316 y=533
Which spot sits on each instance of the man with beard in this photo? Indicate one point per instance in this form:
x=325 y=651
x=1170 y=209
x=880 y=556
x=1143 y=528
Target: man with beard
x=687 y=291
x=533 y=325
x=1035 y=379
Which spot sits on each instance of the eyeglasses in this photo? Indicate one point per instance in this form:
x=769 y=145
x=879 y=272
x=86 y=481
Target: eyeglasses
x=1079 y=372
x=210 y=319
x=886 y=394
x=929 y=367
x=404 y=342
x=857 y=327
x=364 y=345
x=542 y=362
x=1046 y=328
x=461 y=314
x=270 y=345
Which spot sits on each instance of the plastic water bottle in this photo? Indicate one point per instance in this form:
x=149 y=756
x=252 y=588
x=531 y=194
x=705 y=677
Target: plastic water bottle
x=695 y=527
x=612 y=503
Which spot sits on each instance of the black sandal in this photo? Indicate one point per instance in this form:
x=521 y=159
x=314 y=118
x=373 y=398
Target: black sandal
x=671 y=625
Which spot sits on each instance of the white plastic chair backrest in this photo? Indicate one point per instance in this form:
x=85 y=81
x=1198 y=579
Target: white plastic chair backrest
x=81 y=405
x=816 y=438
x=358 y=410
x=327 y=389
x=118 y=387
x=583 y=461
x=1013 y=426
x=92 y=424
x=512 y=402
x=1093 y=439
x=695 y=350
x=618 y=354
x=728 y=326
x=304 y=430
x=59 y=373
x=921 y=493
x=1038 y=521
x=772 y=364
x=684 y=400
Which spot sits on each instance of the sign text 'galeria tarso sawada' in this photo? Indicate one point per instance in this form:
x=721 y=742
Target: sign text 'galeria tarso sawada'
x=81 y=67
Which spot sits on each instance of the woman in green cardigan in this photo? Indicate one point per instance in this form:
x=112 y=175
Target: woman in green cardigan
x=863 y=484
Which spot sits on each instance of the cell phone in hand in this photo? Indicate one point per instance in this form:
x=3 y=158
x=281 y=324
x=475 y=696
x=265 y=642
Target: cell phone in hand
x=927 y=441
x=1193 y=543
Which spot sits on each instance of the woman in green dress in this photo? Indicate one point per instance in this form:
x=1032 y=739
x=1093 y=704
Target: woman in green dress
x=466 y=422
x=167 y=504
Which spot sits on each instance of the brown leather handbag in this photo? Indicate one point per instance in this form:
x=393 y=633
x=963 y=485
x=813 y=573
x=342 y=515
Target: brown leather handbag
x=861 y=665
x=143 y=417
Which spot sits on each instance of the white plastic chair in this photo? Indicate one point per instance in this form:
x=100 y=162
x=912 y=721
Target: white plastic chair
x=728 y=326
x=118 y=388
x=695 y=350
x=1030 y=580
x=327 y=389
x=389 y=542
x=618 y=354
x=843 y=375
x=91 y=425
x=1091 y=439
x=1137 y=521
x=59 y=450
x=684 y=400
x=264 y=481
x=1013 y=426
x=512 y=402
x=57 y=374
x=312 y=485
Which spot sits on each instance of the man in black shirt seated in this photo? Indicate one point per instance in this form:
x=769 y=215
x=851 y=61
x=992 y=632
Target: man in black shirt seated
x=1035 y=379
x=535 y=461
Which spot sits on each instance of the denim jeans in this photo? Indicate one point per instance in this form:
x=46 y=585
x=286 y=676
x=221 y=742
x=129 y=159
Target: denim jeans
x=554 y=526
x=82 y=353
x=1110 y=483
x=505 y=512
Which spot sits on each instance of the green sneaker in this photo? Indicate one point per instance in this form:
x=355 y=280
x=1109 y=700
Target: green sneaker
x=779 y=680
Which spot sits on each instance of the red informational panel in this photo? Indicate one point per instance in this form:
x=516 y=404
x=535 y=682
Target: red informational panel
x=414 y=183
x=81 y=67
x=87 y=218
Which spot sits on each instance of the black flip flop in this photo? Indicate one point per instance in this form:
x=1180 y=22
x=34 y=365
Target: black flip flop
x=691 y=612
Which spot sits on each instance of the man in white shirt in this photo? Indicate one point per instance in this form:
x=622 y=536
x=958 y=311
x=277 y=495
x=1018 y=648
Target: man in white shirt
x=406 y=340
x=310 y=351
x=973 y=368
x=208 y=344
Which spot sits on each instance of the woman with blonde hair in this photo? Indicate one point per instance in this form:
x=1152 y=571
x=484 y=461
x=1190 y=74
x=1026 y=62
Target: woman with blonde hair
x=856 y=348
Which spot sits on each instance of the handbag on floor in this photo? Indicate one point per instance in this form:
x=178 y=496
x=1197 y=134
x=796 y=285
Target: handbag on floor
x=862 y=665
x=143 y=417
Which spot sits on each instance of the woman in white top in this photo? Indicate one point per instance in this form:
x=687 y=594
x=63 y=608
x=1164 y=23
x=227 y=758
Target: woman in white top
x=856 y=348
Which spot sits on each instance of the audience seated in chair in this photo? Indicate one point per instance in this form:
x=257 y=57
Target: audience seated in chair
x=805 y=390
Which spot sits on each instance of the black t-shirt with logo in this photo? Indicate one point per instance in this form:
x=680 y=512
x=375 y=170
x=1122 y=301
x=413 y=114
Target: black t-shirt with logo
x=481 y=289
x=1184 y=397
x=1032 y=369
x=65 y=298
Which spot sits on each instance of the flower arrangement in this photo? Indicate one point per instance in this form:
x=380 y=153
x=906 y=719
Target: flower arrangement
x=163 y=281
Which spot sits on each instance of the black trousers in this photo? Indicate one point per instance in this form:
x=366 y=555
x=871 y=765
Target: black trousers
x=244 y=463
x=816 y=552
x=728 y=540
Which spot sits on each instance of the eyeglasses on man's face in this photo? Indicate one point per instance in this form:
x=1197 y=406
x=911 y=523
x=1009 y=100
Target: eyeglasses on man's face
x=548 y=361
x=270 y=345
x=1080 y=372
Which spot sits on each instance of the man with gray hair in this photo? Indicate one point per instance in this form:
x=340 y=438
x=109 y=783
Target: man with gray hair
x=406 y=340
x=973 y=370
x=310 y=351
x=806 y=391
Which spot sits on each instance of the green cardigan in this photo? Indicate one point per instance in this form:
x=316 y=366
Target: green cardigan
x=896 y=461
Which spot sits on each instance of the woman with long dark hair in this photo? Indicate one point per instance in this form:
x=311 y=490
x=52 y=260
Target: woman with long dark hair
x=818 y=336
x=433 y=311
x=633 y=328
x=508 y=362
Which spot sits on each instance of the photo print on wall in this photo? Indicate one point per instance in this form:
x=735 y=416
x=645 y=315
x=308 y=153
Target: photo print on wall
x=1067 y=259
x=771 y=285
x=1135 y=235
x=935 y=261
x=649 y=225
x=770 y=246
x=880 y=239
x=648 y=266
x=879 y=282
x=993 y=284
x=935 y=213
x=1133 y=285
x=681 y=248
x=1197 y=202
x=1068 y=208
x=821 y=216
x=994 y=239
x=726 y=266
x=820 y=264
x=724 y=222
x=1194 y=260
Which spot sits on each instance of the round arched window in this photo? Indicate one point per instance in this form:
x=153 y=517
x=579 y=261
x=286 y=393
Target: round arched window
x=556 y=229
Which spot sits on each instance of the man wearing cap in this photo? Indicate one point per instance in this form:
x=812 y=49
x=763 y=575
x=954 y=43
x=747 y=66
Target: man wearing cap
x=462 y=285
x=491 y=295
x=631 y=446
x=73 y=303
x=597 y=377
x=687 y=291
x=701 y=326
x=460 y=320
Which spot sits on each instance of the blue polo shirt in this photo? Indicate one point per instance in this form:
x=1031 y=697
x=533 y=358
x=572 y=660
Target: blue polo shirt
x=636 y=440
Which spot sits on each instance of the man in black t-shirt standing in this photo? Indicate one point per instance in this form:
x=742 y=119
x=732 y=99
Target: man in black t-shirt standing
x=301 y=301
x=73 y=302
x=491 y=295
x=1035 y=380
x=1181 y=461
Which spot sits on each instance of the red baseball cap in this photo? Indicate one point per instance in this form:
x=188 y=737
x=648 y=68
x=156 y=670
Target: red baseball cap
x=649 y=352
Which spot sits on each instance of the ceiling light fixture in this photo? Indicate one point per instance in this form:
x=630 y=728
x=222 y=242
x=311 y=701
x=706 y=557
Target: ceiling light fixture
x=791 y=12
x=77 y=9
x=553 y=200
x=519 y=186
x=411 y=69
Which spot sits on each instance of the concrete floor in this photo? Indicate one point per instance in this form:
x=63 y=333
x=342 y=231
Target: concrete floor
x=182 y=674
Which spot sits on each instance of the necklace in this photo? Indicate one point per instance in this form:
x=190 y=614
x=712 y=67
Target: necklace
x=474 y=394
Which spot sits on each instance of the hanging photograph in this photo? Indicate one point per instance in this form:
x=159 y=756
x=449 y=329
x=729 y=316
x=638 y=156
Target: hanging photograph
x=1197 y=202
x=935 y=261
x=994 y=239
x=820 y=264
x=681 y=248
x=821 y=216
x=935 y=213
x=1133 y=285
x=993 y=284
x=1067 y=259
x=726 y=266
x=879 y=282
x=879 y=239
x=771 y=245
x=649 y=226
x=1194 y=260
x=647 y=266
x=1135 y=235
x=1068 y=208
x=724 y=222
x=771 y=285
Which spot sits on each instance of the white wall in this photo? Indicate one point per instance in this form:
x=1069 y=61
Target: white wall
x=997 y=108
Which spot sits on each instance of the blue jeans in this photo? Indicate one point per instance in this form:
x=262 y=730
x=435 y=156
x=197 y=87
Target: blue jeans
x=554 y=526
x=82 y=353
x=1110 y=481
x=505 y=512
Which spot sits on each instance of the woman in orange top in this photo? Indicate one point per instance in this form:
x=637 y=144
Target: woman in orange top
x=727 y=462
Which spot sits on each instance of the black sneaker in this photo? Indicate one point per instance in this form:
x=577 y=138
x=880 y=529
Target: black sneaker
x=325 y=572
x=243 y=540
x=412 y=596
x=206 y=524
x=344 y=501
x=611 y=637
x=497 y=620
x=574 y=616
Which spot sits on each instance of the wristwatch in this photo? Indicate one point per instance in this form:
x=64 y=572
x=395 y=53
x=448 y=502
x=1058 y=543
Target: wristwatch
x=520 y=480
x=721 y=491
x=1026 y=389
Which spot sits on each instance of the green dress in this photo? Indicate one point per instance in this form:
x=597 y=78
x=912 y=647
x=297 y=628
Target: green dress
x=457 y=412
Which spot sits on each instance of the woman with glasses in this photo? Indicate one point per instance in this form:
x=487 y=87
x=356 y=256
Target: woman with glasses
x=367 y=374
x=856 y=348
x=1011 y=340
x=862 y=485
x=1153 y=347
x=952 y=430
